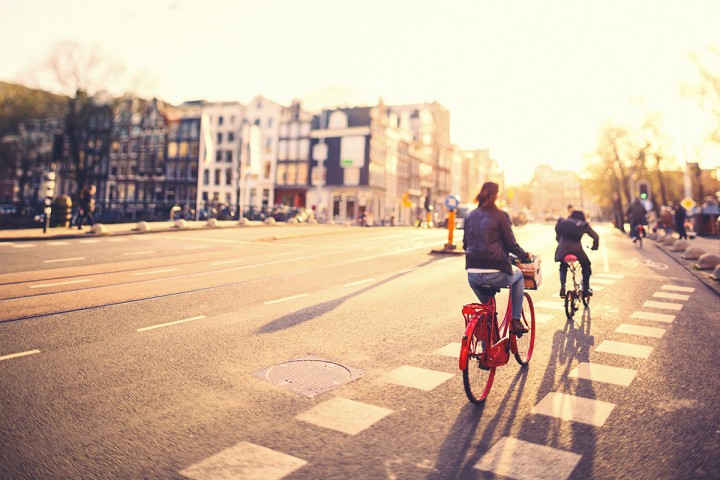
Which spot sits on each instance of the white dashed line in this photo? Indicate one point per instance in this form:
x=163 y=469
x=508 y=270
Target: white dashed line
x=543 y=317
x=89 y=240
x=627 y=349
x=603 y=373
x=57 y=244
x=549 y=304
x=20 y=354
x=640 y=330
x=245 y=460
x=226 y=262
x=609 y=275
x=663 y=305
x=153 y=272
x=285 y=299
x=59 y=283
x=145 y=252
x=152 y=327
x=23 y=245
x=678 y=289
x=576 y=409
x=671 y=296
x=343 y=415
x=358 y=282
x=658 y=317
x=602 y=281
x=522 y=460
x=71 y=259
x=449 y=350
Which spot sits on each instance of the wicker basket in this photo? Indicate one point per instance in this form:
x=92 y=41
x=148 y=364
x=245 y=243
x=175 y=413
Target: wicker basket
x=531 y=273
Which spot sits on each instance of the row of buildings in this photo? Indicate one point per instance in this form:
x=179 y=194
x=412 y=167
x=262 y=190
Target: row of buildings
x=394 y=162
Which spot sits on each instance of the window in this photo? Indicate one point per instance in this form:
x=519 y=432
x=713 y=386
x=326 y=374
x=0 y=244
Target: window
x=231 y=137
x=228 y=176
x=282 y=150
x=183 y=151
x=217 y=176
x=219 y=138
x=302 y=174
x=268 y=145
x=218 y=156
x=292 y=174
x=292 y=150
x=206 y=176
x=270 y=122
x=268 y=168
x=220 y=120
x=280 y=173
x=293 y=130
x=303 y=149
x=229 y=156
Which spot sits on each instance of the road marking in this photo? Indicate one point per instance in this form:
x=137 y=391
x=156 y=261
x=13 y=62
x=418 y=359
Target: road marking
x=70 y=259
x=658 y=317
x=226 y=262
x=549 y=304
x=678 y=289
x=639 y=330
x=521 y=460
x=627 y=349
x=6 y=244
x=603 y=373
x=543 y=317
x=616 y=276
x=449 y=350
x=89 y=240
x=152 y=272
x=23 y=245
x=285 y=299
x=240 y=242
x=663 y=305
x=597 y=289
x=57 y=244
x=603 y=281
x=195 y=247
x=59 y=283
x=420 y=378
x=117 y=239
x=244 y=460
x=359 y=282
x=20 y=354
x=144 y=252
x=343 y=415
x=671 y=296
x=576 y=409
x=176 y=322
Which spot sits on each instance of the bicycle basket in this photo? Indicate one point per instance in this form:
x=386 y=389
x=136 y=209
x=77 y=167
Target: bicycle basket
x=532 y=275
x=471 y=309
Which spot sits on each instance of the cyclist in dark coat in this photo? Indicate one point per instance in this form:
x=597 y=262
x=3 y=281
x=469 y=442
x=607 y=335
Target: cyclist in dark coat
x=637 y=216
x=488 y=239
x=570 y=243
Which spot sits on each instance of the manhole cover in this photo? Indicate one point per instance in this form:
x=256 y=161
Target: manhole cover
x=309 y=375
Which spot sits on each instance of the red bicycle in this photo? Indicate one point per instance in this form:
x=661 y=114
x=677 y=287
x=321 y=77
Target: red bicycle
x=487 y=345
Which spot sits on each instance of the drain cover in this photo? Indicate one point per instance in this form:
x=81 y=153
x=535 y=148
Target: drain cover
x=309 y=376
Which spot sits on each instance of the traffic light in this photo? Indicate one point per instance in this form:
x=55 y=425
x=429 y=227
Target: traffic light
x=643 y=190
x=49 y=184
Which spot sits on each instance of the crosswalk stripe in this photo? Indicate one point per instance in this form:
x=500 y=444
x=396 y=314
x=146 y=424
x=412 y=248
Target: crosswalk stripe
x=449 y=350
x=671 y=296
x=678 y=288
x=658 y=317
x=420 y=378
x=603 y=373
x=609 y=275
x=576 y=409
x=549 y=304
x=244 y=460
x=522 y=460
x=602 y=281
x=627 y=349
x=543 y=317
x=663 y=305
x=344 y=415
x=640 y=330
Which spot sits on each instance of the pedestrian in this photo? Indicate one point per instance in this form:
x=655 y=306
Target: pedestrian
x=488 y=240
x=680 y=216
x=568 y=234
x=87 y=206
x=666 y=219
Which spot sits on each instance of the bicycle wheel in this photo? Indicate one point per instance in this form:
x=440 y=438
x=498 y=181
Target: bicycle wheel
x=524 y=345
x=476 y=379
x=570 y=304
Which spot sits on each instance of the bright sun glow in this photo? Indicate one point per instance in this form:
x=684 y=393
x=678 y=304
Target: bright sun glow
x=533 y=81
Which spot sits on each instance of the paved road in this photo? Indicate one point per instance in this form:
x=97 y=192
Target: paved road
x=158 y=364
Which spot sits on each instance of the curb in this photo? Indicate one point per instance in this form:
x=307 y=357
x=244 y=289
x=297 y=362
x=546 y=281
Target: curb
x=703 y=275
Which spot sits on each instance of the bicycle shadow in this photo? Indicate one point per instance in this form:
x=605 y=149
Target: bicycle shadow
x=310 y=313
x=452 y=461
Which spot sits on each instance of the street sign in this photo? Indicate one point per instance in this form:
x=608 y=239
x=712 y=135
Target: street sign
x=688 y=203
x=451 y=202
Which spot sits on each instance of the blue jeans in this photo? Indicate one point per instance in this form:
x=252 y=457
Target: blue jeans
x=500 y=279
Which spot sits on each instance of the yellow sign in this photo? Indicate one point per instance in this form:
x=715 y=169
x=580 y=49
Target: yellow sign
x=688 y=203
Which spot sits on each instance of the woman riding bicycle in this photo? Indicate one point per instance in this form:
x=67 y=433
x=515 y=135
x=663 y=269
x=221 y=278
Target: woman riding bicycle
x=488 y=239
x=568 y=233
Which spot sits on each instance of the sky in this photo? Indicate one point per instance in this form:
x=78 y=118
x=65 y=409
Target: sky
x=533 y=81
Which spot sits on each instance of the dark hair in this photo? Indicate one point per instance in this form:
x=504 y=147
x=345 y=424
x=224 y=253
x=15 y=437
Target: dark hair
x=577 y=215
x=488 y=190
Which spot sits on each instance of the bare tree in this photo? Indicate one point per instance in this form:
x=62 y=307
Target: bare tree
x=707 y=90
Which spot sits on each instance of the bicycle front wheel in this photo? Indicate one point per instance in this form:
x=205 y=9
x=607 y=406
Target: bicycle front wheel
x=570 y=305
x=477 y=380
x=524 y=345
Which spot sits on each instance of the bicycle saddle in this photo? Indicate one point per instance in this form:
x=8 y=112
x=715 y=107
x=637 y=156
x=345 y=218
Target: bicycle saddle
x=569 y=258
x=489 y=290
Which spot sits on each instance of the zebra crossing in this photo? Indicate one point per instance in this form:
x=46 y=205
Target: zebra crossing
x=350 y=417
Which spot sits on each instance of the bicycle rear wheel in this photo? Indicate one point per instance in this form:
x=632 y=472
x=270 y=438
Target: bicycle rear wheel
x=571 y=304
x=524 y=345
x=477 y=380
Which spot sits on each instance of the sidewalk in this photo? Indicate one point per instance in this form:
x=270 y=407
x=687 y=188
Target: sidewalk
x=36 y=234
x=707 y=244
